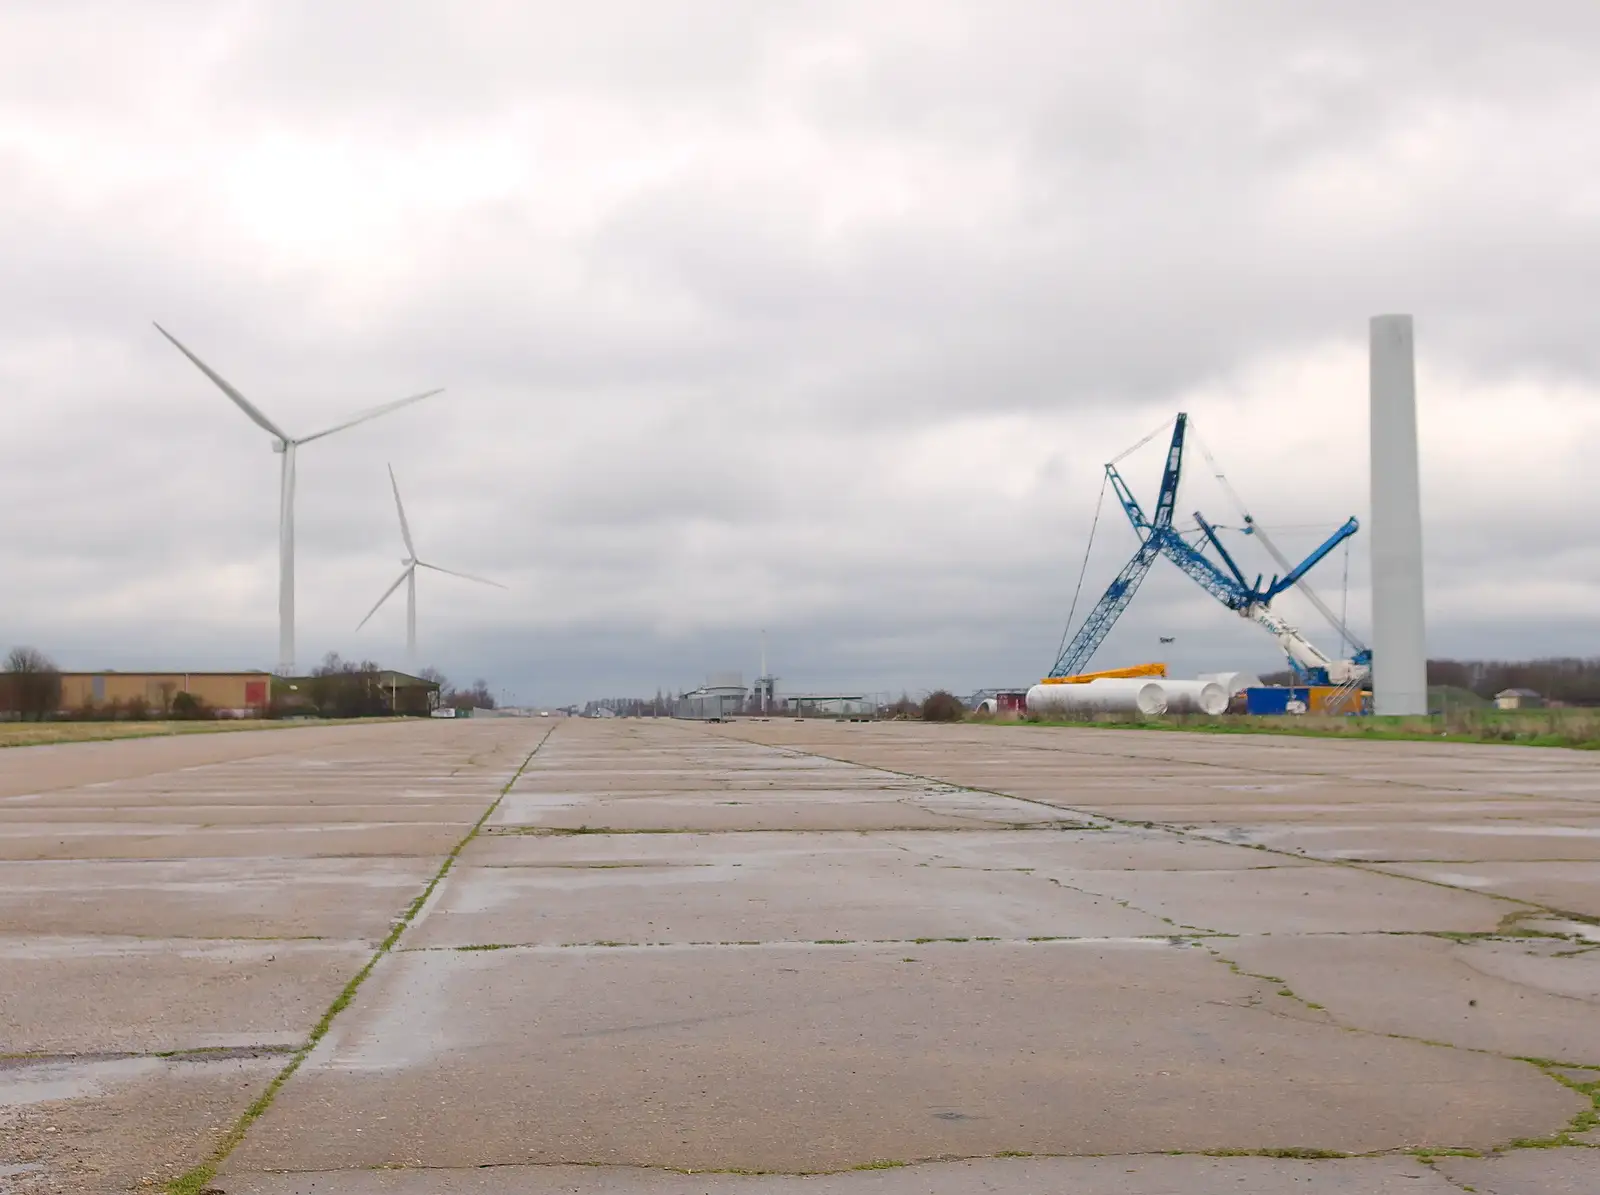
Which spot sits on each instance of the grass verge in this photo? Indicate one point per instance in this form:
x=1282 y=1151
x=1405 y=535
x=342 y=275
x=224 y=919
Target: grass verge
x=1575 y=729
x=197 y=1181
x=43 y=734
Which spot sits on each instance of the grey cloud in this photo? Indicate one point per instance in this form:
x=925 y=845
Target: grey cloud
x=814 y=317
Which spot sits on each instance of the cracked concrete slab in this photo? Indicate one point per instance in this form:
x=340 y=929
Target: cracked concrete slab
x=62 y=840
x=65 y=994
x=764 y=887
x=1114 y=848
x=800 y=1050
x=1568 y=885
x=1302 y=900
x=729 y=809
x=1134 y=1175
x=821 y=1058
x=88 y=1128
x=1513 y=997
x=1528 y=1172
x=209 y=898
x=175 y=913
x=1569 y=840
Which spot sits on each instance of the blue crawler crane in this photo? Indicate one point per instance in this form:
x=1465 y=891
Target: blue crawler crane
x=1252 y=600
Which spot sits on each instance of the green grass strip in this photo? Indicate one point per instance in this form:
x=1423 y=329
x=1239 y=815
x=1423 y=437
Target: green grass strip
x=1578 y=735
x=60 y=734
x=198 y=1180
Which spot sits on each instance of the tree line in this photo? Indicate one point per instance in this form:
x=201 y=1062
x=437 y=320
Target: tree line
x=31 y=690
x=1570 y=680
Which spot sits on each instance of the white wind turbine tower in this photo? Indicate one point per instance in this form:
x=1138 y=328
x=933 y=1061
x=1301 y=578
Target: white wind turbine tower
x=286 y=444
x=408 y=576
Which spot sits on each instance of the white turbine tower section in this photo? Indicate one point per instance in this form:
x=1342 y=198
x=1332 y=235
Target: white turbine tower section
x=1399 y=651
x=286 y=444
x=408 y=575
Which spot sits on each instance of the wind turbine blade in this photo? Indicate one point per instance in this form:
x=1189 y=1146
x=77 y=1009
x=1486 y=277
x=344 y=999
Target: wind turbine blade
x=464 y=576
x=405 y=528
x=399 y=581
x=372 y=413
x=243 y=403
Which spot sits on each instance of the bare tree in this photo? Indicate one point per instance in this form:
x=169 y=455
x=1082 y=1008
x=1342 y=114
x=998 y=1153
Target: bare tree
x=32 y=684
x=477 y=697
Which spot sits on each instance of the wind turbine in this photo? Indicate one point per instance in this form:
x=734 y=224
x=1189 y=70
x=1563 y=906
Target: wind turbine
x=284 y=443
x=408 y=576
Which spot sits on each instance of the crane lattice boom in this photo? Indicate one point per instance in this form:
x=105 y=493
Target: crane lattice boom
x=1251 y=600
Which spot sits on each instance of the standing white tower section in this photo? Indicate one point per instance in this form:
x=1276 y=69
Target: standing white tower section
x=1399 y=644
x=284 y=443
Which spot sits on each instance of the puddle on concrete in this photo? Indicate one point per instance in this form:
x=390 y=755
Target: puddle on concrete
x=1544 y=965
x=23 y=1085
x=486 y=890
x=58 y=948
x=1522 y=831
x=1458 y=879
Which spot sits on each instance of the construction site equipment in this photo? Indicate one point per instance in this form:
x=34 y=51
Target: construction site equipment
x=1307 y=699
x=1195 y=697
x=1108 y=695
x=1251 y=600
x=1084 y=678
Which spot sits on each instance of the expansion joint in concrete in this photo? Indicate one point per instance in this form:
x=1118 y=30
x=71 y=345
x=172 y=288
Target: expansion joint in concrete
x=197 y=1180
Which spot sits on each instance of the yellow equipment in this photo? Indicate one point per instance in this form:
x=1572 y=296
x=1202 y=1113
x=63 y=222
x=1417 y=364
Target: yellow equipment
x=1085 y=677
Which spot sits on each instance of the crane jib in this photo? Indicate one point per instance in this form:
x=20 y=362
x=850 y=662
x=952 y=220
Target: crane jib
x=1157 y=538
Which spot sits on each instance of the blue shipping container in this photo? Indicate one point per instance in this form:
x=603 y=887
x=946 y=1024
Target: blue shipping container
x=1274 y=699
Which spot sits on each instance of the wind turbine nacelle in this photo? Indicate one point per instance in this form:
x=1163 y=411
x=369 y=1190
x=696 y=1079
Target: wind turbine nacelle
x=279 y=446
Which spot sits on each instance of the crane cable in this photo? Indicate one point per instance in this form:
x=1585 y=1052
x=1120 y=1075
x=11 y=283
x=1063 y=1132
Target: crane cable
x=1084 y=570
x=1088 y=547
x=1126 y=452
x=1216 y=471
x=1338 y=623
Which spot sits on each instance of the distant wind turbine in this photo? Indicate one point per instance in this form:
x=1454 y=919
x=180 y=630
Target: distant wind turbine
x=408 y=577
x=286 y=444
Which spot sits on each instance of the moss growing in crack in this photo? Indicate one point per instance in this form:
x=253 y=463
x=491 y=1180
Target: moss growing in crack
x=1584 y=1121
x=882 y=1164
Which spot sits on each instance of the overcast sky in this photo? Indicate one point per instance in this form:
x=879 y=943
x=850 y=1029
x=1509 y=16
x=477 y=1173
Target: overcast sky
x=815 y=317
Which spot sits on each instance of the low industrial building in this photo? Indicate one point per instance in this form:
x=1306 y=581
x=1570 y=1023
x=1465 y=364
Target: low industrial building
x=239 y=694
x=834 y=705
x=242 y=694
x=1518 y=699
x=722 y=696
x=353 y=694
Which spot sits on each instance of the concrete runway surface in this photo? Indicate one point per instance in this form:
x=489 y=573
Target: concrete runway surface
x=783 y=958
